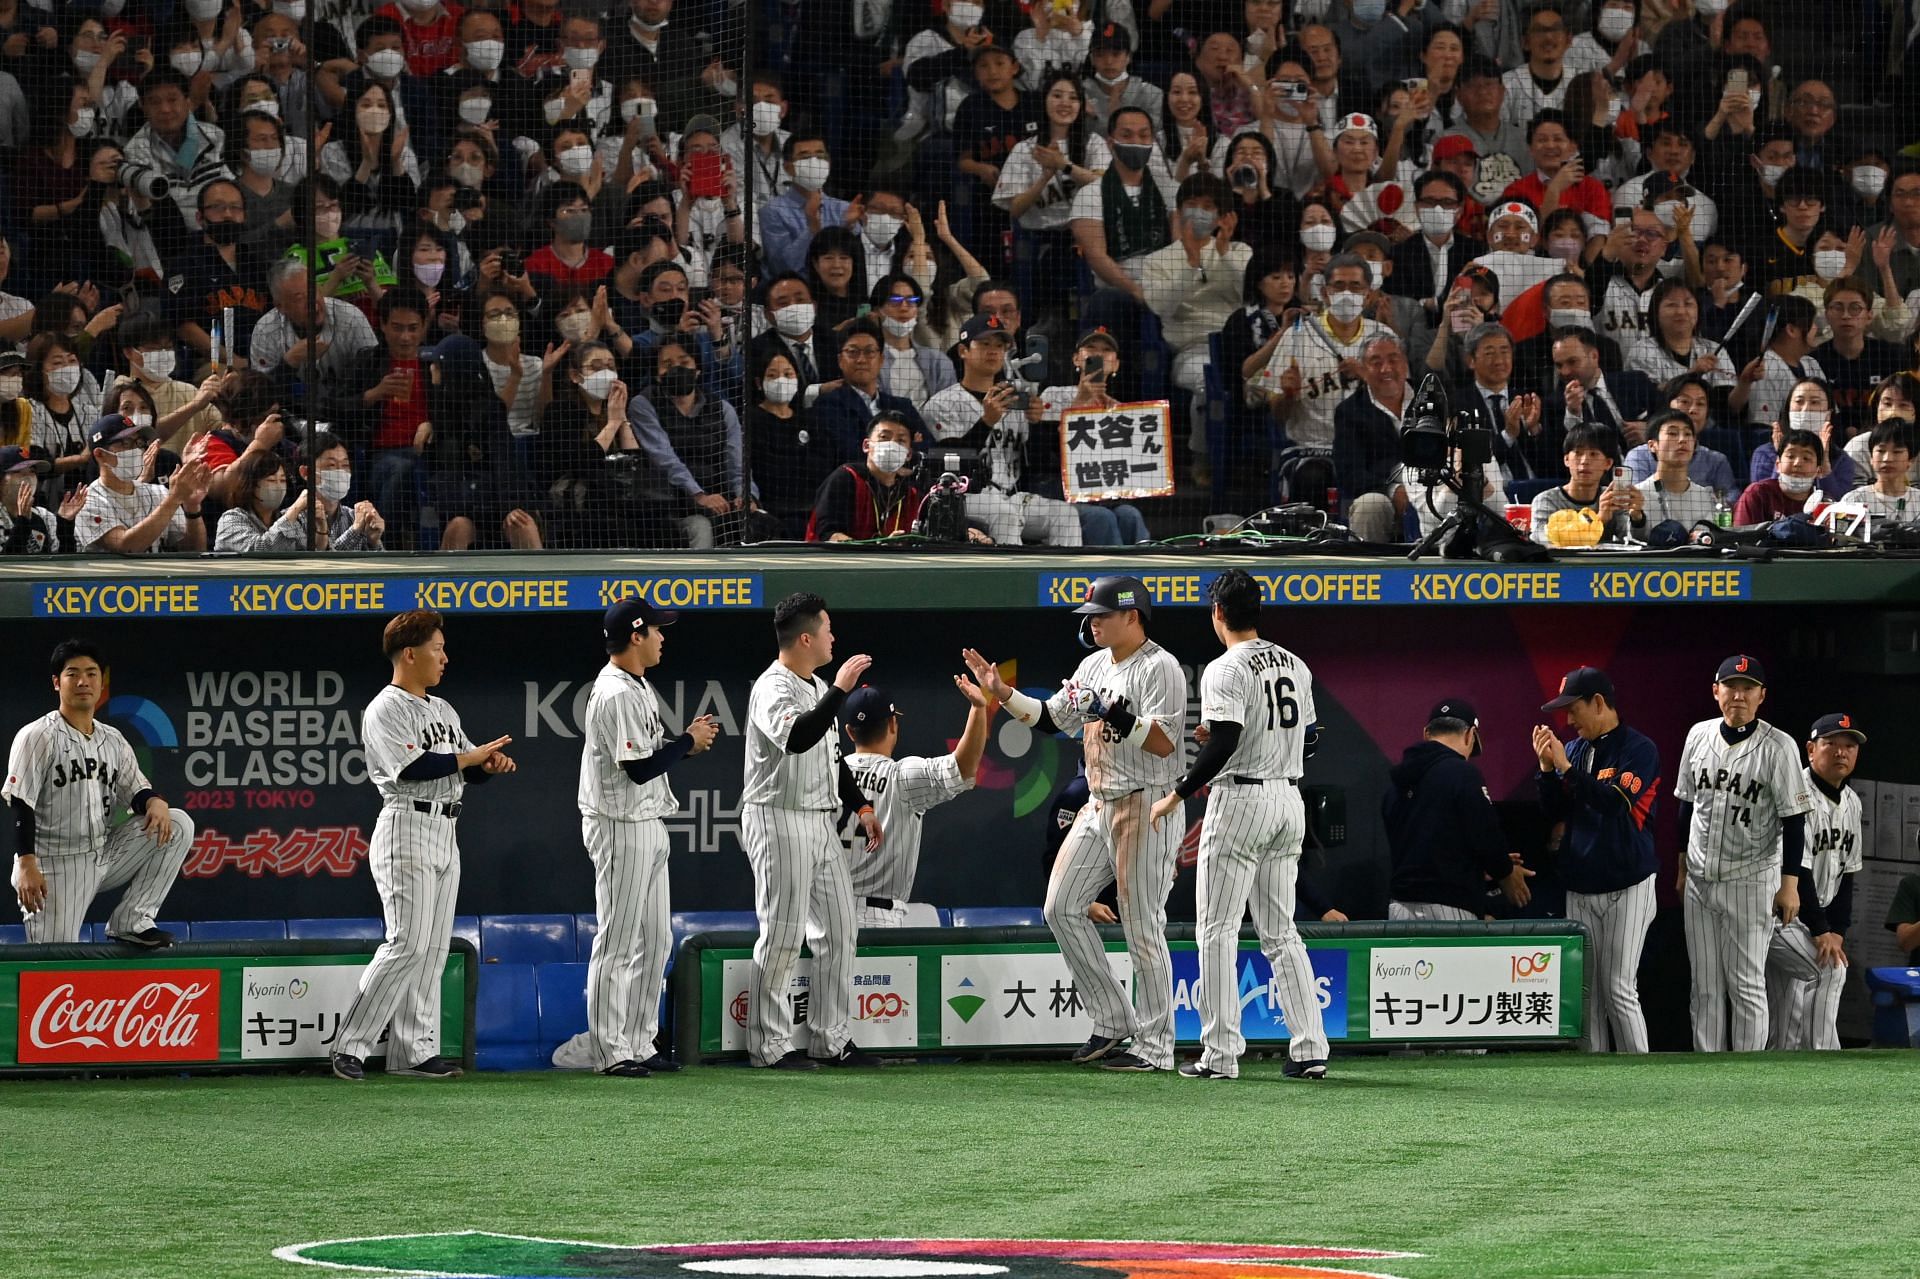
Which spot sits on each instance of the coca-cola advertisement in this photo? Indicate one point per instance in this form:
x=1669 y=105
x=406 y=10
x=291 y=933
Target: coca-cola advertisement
x=86 y=1016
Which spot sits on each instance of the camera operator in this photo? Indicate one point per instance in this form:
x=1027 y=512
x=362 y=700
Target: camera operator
x=874 y=498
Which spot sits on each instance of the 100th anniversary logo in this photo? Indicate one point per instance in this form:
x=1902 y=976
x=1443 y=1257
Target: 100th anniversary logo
x=479 y=1254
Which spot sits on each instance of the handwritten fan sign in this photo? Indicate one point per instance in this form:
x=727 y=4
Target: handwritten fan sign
x=1122 y=451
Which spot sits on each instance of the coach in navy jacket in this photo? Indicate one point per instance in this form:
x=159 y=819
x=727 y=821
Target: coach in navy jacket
x=1447 y=845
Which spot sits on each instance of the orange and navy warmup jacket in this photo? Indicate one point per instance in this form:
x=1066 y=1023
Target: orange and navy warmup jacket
x=1607 y=800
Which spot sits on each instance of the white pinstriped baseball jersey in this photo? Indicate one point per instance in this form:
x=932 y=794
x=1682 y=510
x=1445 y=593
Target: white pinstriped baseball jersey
x=1740 y=791
x=1833 y=837
x=396 y=729
x=901 y=791
x=622 y=723
x=74 y=783
x=806 y=780
x=1269 y=693
x=1151 y=681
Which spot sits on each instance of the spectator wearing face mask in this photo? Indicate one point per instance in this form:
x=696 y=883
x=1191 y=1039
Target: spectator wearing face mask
x=913 y=371
x=790 y=220
x=479 y=65
x=372 y=158
x=671 y=312
x=328 y=476
x=1791 y=488
x=811 y=347
x=789 y=461
x=696 y=443
x=523 y=379
x=27 y=528
x=1196 y=283
x=256 y=521
x=16 y=410
x=126 y=514
x=64 y=401
x=218 y=276
x=568 y=259
x=873 y=497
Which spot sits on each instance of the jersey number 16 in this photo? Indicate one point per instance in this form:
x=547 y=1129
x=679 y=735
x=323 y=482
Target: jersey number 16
x=1281 y=707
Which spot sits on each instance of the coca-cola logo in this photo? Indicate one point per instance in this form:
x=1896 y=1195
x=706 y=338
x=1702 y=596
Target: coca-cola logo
x=119 y=1015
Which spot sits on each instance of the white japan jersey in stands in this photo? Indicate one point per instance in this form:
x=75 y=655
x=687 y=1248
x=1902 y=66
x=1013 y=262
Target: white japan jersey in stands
x=397 y=729
x=622 y=723
x=1269 y=693
x=1740 y=791
x=901 y=791
x=74 y=783
x=807 y=780
x=1833 y=837
x=1151 y=681
x=1313 y=346
x=951 y=413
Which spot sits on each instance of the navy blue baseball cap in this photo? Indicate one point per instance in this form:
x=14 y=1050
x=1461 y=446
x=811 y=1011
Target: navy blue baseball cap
x=985 y=326
x=868 y=705
x=1740 y=666
x=114 y=427
x=14 y=458
x=628 y=614
x=1837 y=724
x=1581 y=681
x=1461 y=709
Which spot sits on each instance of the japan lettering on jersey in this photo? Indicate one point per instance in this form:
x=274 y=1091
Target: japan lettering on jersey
x=953 y=413
x=623 y=724
x=74 y=783
x=1833 y=837
x=901 y=791
x=1151 y=681
x=1323 y=384
x=396 y=730
x=1740 y=791
x=1623 y=311
x=1269 y=693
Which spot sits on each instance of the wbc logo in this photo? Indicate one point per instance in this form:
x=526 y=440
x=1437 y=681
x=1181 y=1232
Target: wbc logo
x=119 y=1015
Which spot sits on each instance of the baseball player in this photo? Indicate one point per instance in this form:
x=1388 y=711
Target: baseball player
x=420 y=760
x=1743 y=802
x=1256 y=701
x=796 y=784
x=1806 y=965
x=1604 y=786
x=1136 y=692
x=901 y=791
x=624 y=800
x=67 y=775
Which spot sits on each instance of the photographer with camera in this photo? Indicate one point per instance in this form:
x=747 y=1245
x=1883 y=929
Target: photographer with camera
x=174 y=147
x=875 y=497
x=1095 y=360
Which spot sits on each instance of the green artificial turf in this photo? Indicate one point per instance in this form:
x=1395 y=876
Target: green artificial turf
x=1526 y=1166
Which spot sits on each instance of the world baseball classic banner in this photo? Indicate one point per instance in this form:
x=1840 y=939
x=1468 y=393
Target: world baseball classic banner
x=1010 y=989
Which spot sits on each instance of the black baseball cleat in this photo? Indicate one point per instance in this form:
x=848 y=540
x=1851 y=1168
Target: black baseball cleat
x=1194 y=1070
x=431 y=1068
x=661 y=1064
x=148 y=938
x=348 y=1067
x=1127 y=1061
x=851 y=1055
x=1315 y=1069
x=628 y=1069
x=1096 y=1048
x=794 y=1060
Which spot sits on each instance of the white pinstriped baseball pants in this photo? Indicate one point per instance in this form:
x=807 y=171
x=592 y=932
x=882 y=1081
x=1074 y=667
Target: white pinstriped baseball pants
x=1729 y=923
x=1803 y=999
x=1250 y=856
x=628 y=968
x=1112 y=840
x=1617 y=925
x=799 y=871
x=1427 y=911
x=129 y=856
x=416 y=866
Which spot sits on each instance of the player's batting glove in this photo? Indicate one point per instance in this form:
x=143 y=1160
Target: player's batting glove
x=1083 y=700
x=1119 y=716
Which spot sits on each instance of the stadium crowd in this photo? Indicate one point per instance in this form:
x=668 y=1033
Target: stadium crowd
x=571 y=273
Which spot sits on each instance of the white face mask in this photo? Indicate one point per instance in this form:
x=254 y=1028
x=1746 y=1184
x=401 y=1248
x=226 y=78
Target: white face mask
x=10 y=388
x=1806 y=420
x=467 y=175
x=1615 y=23
x=965 y=14
x=1565 y=248
x=810 y=174
x=386 y=63
x=476 y=110
x=599 y=382
x=575 y=161
x=420 y=6
x=64 y=381
x=157 y=365
x=780 y=390
x=502 y=328
x=188 y=63
x=887 y=456
x=573 y=327
x=1438 y=222
x=264 y=160
x=429 y=273
x=726 y=86
x=485 y=55
x=795 y=320
x=1707 y=8
x=1109 y=80
x=373 y=119
x=881 y=228
x=1794 y=484
x=202 y=10
x=81 y=125
x=1868 y=181
x=124 y=466
x=142 y=420
x=271 y=495
x=333 y=485
x=1770 y=173
x=84 y=61
x=265 y=105
x=1318 y=239
x=1376 y=274
x=1346 y=307
x=581 y=59
x=327 y=225
x=1570 y=318
x=1829 y=263
x=766 y=119
x=456 y=222
x=295 y=9
x=898 y=328
x=643 y=108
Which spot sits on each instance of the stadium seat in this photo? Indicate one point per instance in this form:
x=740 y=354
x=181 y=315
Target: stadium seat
x=921 y=915
x=13 y=934
x=1896 y=1006
x=563 y=1004
x=506 y=1019
x=946 y=917
x=687 y=923
x=526 y=939
x=998 y=917
x=1526 y=490
x=240 y=930
x=335 y=929
x=585 y=929
x=468 y=927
